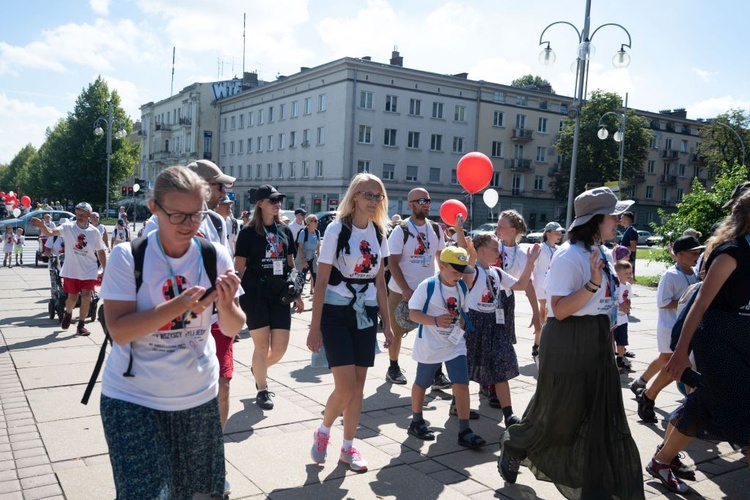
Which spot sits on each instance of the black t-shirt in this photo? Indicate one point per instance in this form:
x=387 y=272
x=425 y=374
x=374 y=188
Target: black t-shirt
x=260 y=250
x=734 y=295
x=630 y=234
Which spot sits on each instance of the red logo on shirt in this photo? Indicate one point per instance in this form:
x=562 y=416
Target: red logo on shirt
x=369 y=261
x=81 y=242
x=168 y=291
x=420 y=249
x=452 y=304
x=488 y=296
x=274 y=250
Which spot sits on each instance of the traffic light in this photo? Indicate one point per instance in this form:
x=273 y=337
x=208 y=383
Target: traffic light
x=124 y=191
x=130 y=190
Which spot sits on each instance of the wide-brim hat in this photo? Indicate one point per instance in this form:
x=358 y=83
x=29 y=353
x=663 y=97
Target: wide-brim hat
x=210 y=171
x=597 y=201
x=401 y=314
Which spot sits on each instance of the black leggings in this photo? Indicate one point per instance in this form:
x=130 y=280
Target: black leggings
x=313 y=275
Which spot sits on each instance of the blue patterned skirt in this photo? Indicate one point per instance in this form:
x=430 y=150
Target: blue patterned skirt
x=489 y=350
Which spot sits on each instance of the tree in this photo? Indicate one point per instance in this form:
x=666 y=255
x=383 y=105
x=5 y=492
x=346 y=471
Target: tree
x=11 y=177
x=599 y=160
x=532 y=81
x=72 y=162
x=701 y=208
x=721 y=146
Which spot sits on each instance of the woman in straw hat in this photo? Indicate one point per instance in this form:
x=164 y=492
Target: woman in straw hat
x=575 y=432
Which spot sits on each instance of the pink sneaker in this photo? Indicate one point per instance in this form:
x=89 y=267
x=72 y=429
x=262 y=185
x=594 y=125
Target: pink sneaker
x=319 y=447
x=353 y=459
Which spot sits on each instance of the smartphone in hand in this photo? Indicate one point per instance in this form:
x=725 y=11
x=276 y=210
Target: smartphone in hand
x=208 y=292
x=691 y=378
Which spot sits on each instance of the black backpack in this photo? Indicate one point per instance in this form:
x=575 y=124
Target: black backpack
x=307 y=235
x=405 y=228
x=218 y=223
x=138 y=247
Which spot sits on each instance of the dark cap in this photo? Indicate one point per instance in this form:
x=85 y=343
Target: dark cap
x=684 y=243
x=268 y=192
x=738 y=191
x=300 y=211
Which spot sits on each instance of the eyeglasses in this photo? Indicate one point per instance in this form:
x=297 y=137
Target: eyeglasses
x=421 y=201
x=221 y=185
x=180 y=218
x=372 y=196
x=275 y=201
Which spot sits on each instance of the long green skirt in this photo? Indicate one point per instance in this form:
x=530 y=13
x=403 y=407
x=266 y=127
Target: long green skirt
x=574 y=432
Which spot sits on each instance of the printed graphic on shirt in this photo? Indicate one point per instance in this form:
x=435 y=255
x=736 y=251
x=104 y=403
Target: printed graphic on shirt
x=274 y=247
x=420 y=248
x=81 y=242
x=169 y=293
x=367 y=263
x=488 y=296
x=625 y=295
x=452 y=305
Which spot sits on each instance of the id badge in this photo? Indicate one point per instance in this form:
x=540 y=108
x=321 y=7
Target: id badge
x=508 y=293
x=278 y=267
x=198 y=353
x=456 y=334
x=500 y=316
x=426 y=260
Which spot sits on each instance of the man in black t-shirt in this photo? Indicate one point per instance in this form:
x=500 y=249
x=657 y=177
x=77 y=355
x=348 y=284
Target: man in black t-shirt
x=630 y=237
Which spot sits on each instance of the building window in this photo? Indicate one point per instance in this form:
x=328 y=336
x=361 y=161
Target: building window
x=412 y=173
x=240 y=147
x=281 y=170
x=305 y=137
x=295 y=109
x=282 y=111
x=649 y=192
x=363 y=166
x=458 y=144
x=269 y=170
x=259 y=171
x=498 y=120
x=389 y=137
x=391 y=103
x=518 y=151
x=415 y=107
x=365 y=99
x=454 y=176
x=292 y=139
x=224 y=125
x=668 y=143
x=517 y=188
x=322 y=102
x=497 y=149
x=270 y=143
x=651 y=167
x=260 y=117
x=281 y=141
x=496 y=178
x=270 y=114
x=499 y=96
x=239 y=171
x=436 y=142
x=305 y=169
x=413 y=140
x=459 y=114
x=308 y=105
x=437 y=110
x=652 y=142
x=681 y=169
x=365 y=134
x=321 y=136
x=242 y=120
x=542 y=127
x=680 y=194
x=250 y=122
x=539 y=183
x=231 y=148
x=292 y=170
x=259 y=143
x=223 y=148
x=541 y=153
x=520 y=121
x=389 y=171
x=318 y=168
x=434 y=175
x=250 y=145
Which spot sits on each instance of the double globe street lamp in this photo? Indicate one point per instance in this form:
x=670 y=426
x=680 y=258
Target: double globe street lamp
x=98 y=131
x=621 y=59
x=618 y=136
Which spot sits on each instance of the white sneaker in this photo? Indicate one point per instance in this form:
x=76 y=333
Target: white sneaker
x=353 y=459
x=319 y=447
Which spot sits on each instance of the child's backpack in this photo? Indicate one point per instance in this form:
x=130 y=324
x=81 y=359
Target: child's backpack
x=138 y=247
x=431 y=290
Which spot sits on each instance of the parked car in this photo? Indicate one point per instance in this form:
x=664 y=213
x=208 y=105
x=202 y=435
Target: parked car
x=487 y=227
x=25 y=221
x=324 y=219
x=654 y=239
x=643 y=237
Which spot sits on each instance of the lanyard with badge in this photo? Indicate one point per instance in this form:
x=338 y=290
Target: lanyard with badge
x=457 y=332
x=278 y=262
x=423 y=238
x=497 y=297
x=612 y=286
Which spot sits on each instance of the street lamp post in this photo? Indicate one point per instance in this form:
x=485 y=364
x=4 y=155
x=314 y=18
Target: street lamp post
x=98 y=131
x=621 y=59
x=618 y=136
x=742 y=143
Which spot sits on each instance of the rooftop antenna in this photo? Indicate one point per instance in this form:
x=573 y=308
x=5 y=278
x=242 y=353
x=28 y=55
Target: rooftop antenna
x=244 y=23
x=171 y=87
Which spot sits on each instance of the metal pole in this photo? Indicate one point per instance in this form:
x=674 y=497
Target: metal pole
x=581 y=97
x=109 y=153
x=622 y=142
x=742 y=143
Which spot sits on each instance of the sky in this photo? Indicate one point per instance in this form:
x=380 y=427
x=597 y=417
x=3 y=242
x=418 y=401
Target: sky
x=685 y=53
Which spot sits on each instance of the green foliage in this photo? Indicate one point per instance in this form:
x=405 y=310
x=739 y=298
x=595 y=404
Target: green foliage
x=12 y=177
x=701 y=208
x=720 y=144
x=531 y=80
x=599 y=160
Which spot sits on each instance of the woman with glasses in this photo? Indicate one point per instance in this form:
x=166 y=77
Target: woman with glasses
x=308 y=247
x=161 y=422
x=350 y=291
x=265 y=254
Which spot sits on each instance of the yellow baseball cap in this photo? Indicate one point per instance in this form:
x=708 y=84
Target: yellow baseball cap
x=458 y=258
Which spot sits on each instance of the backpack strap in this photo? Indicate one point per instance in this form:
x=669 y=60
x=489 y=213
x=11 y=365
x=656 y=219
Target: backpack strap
x=342 y=245
x=218 y=223
x=430 y=291
x=405 y=228
x=467 y=322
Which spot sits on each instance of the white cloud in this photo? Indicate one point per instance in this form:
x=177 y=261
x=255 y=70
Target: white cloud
x=101 y=7
x=710 y=108
x=131 y=98
x=21 y=123
x=705 y=75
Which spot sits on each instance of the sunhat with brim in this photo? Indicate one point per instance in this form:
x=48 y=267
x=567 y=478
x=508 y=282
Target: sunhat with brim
x=597 y=201
x=738 y=191
x=401 y=314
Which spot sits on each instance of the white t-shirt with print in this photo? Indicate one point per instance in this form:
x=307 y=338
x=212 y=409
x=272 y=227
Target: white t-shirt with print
x=570 y=271
x=9 y=239
x=541 y=267
x=624 y=293
x=56 y=245
x=81 y=246
x=671 y=287
x=417 y=254
x=514 y=261
x=120 y=234
x=20 y=240
x=483 y=299
x=435 y=346
x=175 y=367
x=363 y=261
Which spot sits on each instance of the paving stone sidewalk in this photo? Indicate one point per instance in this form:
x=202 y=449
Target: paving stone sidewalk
x=51 y=446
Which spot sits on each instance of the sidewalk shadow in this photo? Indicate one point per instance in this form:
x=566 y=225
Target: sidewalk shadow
x=52 y=338
x=309 y=374
x=314 y=487
x=39 y=319
x=242 y=422
x=529 y=370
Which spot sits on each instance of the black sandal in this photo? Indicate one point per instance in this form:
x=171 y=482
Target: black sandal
x=421 y=431
x=473 y=415
x=468 y=439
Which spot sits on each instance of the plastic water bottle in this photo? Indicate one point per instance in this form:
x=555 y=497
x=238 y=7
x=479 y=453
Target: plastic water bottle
x=319 y=359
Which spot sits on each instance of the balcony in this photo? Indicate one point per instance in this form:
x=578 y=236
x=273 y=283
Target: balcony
x=522 y=135
x=518 y=164
x=186 y=121
x=667 y=180
x=638 y=179
x=163 y=127
x=669 y=154
x=553 y=171
x=695 y=158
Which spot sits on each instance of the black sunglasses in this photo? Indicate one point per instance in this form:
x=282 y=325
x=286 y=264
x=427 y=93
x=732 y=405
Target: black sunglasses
x=421 y=201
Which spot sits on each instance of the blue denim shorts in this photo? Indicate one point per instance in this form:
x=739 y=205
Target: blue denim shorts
x=458 y=372
x=620 y=333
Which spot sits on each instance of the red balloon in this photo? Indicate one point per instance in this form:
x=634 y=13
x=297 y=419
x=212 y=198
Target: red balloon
x=474 y=172
x=25 y=201
x=450 y=209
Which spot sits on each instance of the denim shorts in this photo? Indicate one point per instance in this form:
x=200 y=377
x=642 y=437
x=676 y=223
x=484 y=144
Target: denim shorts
x=458 y=372
x=344 y=343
